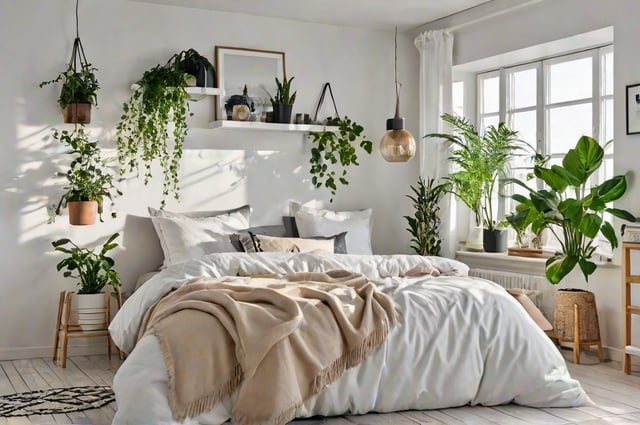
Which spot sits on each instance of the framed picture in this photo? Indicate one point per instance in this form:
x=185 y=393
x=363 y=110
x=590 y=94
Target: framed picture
x=633 y=109
x=257 y=69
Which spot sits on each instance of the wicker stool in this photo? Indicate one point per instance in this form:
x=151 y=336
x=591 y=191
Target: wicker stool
x=575 y=319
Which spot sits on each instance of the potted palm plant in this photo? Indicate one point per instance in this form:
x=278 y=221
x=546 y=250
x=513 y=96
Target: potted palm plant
x=481 y=161
x=93 y=271
x=89 y=178
x=571 y=210
x=424 y=226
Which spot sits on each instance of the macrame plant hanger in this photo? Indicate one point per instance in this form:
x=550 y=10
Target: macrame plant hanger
x=326 y=87
x=77 y=53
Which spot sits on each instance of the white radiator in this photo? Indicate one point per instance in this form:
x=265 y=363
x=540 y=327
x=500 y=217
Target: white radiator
x=513 y=280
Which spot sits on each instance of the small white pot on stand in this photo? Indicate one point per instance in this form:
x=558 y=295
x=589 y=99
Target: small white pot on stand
x=90 y=311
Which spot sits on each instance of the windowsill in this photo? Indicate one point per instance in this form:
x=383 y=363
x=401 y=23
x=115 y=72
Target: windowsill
x=510 y=263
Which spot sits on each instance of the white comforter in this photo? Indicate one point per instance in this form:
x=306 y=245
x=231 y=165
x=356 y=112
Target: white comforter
x=462 y=341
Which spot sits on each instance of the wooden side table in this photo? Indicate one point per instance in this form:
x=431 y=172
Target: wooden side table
x=67 y=327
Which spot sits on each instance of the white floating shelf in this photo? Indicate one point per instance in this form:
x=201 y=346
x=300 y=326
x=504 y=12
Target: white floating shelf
x=268 y=126
x=195 y=91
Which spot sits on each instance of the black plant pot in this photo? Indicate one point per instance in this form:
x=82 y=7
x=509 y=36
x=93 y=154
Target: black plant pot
x=205 y=76
x=494 y=240
x=282 y=113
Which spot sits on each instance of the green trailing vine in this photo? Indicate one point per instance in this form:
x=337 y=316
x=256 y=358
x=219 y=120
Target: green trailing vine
x=143 y=133
x=334 y=151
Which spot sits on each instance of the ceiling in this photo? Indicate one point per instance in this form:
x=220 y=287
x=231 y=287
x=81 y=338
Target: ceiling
x=372 y=14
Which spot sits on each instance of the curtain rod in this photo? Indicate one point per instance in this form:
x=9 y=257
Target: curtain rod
x=492 y=15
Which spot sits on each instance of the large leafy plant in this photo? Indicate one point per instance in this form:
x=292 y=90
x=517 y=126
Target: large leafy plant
x=143 y=134
x=573 y=211
x=94 y=270
x=481 y=160
x=424 y=226
x=89 y=177
x=334 y=151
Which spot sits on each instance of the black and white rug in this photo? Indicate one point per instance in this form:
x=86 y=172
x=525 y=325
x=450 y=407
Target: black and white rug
x=55 y=400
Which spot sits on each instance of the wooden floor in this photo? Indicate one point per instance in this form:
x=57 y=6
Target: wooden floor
x=616 y=397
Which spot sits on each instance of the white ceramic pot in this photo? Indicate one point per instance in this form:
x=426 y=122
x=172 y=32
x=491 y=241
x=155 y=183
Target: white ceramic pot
x=474 y=240
x=90 y=311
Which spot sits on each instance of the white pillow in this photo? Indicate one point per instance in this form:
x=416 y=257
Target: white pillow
x=185 y=238
x=357 y=224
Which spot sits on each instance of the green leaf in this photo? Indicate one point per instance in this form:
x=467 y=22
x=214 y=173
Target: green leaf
x=60 y=242
x=587 y=267
x=584 y=159
x=612 y=189
x=570 y=208
x=590 y=224
x=555 y=180
x=623 y=214
x=560 y=268
x=610 y=234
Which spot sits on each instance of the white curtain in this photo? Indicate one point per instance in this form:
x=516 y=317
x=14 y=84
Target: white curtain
x=436 y=60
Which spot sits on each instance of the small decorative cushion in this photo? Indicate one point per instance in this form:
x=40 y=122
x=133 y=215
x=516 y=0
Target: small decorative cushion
x=183 y=238
x=357 y=224
x=268 y=230
x=262 y=243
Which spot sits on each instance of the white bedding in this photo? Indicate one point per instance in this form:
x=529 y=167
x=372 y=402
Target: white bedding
x=462 y=341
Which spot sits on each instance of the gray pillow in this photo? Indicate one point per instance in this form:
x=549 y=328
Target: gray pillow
x=275 y=230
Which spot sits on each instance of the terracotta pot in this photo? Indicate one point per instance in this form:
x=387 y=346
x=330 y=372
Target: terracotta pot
x=77 y=113
x=82 y=213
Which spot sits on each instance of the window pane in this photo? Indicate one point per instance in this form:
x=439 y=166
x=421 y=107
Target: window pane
x=607 y=73
x=524 y=88
x=566 y=125
x=457 y=98
x=607 y=122
x=525 y=124
x=490 y=95
x=570 y=80
x=488 y=121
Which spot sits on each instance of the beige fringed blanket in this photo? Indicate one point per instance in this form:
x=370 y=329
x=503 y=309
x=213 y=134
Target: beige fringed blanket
x=276 y=342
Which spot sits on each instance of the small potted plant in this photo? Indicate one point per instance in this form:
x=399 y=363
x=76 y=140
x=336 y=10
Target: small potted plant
x=93 y=271
x=283 y=101
x=78 y=93
x=200 y=69
x=89 y=179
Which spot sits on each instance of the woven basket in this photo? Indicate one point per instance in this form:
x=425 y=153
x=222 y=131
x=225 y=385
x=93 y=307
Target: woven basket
x=563 y=316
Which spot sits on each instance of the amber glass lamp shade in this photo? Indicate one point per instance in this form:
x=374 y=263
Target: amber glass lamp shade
x=397 y=144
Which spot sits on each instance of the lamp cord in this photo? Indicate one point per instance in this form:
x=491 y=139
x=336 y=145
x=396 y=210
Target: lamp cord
x=397 y=115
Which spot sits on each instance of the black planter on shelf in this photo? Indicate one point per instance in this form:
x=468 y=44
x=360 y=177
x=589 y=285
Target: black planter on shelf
x=494 y=240
x=282 y=113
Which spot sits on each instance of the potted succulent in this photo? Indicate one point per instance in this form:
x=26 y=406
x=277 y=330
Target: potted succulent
x=481 y=161
x=89 y=179
x=93 y=271
x=334 y=151
x=78 y=93
x=143 y=134
x=424 y=226
x=571 y=210
x=283 y=101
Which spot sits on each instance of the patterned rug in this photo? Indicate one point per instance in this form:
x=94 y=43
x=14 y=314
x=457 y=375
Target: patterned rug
x=55 y=400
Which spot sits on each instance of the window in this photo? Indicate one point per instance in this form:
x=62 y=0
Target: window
x=551 y=103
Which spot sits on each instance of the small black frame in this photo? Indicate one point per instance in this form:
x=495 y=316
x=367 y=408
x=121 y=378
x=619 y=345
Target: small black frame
x=633 y=108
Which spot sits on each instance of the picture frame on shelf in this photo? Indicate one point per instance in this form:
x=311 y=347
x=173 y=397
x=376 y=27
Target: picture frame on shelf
x=255 y=68
x=633 y=108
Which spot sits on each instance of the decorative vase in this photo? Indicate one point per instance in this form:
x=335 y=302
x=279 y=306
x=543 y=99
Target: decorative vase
x=282 y=113
x=474 y=239
x=494 y=240
x=77 y=113
x=90 y=311
x=82 y=213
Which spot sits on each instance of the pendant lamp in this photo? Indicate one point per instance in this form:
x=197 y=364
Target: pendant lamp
x=397 y=144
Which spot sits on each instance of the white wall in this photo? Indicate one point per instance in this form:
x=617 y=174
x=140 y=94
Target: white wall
x=221 y=168
x=544 y=22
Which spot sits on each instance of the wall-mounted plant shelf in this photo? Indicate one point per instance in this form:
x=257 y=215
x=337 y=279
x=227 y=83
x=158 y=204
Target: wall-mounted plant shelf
x=195 y=91
x=268 y=126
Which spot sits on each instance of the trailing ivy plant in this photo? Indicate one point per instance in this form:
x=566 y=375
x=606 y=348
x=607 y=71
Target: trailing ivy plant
x=424 y=226
x=334 y=151
x=143 y=133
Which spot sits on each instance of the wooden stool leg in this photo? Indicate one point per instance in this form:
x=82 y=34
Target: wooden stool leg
x=58 y=320
x=600 y=354
x=626 y=363
x=65 y=331
x=576 y=334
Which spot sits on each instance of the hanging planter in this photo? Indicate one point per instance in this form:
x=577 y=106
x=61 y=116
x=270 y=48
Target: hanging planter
x=79 y=85
x=82 y=213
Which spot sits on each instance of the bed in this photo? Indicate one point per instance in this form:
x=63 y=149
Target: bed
x=459 y=341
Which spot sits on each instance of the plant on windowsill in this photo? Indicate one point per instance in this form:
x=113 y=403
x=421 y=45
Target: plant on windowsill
x=573 y=211
x=481 y=162
x=89 y=178
x=424 y=226
x=143 y=135
x=334 y=151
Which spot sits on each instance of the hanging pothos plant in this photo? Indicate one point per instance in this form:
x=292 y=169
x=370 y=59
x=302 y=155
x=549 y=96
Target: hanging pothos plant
x=143 y=135
x=334 y=151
